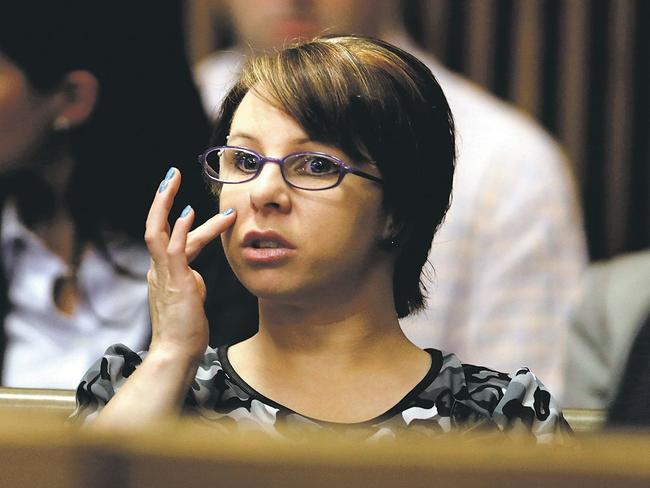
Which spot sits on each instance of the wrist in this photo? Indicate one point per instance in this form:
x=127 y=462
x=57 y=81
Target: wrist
x=176 y=354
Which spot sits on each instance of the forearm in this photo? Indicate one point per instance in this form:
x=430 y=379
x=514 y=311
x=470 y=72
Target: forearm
x=155 y=391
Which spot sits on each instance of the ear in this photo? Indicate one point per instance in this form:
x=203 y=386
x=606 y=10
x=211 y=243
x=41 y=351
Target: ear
x=391 y=234
x=76 y=98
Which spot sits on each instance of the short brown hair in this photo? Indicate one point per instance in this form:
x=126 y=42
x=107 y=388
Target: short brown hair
x=376 y=103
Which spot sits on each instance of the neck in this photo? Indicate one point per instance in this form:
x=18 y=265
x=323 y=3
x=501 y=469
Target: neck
x=56 y=175
x=320 y=360
x=56 y=226
x=352 y=330
x=309 y=329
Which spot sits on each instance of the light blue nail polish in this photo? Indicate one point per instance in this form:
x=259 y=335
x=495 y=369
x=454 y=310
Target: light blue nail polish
x=163 y=186
x=186 y=211
x=170 y=174
x=228 y=211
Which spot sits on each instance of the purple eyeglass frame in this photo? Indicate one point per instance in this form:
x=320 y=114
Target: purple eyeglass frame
x=343 y=168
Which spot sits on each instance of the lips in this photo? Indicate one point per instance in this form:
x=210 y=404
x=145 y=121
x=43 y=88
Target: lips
x=266 y=239
x=268 y=247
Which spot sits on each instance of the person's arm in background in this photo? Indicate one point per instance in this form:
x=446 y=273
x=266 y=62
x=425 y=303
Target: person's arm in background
x=588 y=373
x=616 y=303
x=527 y=259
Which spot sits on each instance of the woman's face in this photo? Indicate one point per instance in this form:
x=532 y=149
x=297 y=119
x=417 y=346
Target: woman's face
x=25 y=117
x=320 y=244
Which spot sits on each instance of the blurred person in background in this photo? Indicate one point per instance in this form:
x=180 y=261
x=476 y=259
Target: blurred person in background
x=83 y=140
x=609 y=358
x=507 y=263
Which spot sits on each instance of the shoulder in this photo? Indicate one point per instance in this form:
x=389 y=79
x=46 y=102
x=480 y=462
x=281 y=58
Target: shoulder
x=106 y=376
x=516 y=404
x=219 y=63
x=527 y=407
x=483 y=120
x=215 y=75
x=103 y=379
x=620 y=290
x=616 y=302
x=480 y=114
x=496 y=137
x=627 y=271
x=475 y=387
x=216 y=386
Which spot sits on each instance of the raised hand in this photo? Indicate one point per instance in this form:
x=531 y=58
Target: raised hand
x=177 y=292
x=158 y=387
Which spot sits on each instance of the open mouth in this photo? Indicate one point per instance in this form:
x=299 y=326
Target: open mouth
x=266 y=248
x=266 y=240
x=265 y=244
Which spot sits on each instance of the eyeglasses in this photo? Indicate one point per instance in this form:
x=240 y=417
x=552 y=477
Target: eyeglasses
x=303 y=170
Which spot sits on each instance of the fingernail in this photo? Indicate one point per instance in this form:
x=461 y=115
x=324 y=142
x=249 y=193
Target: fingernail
x=163 y=186
x=170 y=174
x=228 y=211
x=186 y=211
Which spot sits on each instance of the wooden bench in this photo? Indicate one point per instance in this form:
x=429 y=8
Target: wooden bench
x=38 y=451
x=63 y=402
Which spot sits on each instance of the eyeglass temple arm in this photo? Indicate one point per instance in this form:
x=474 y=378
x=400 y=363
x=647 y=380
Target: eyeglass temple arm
x=363 y=174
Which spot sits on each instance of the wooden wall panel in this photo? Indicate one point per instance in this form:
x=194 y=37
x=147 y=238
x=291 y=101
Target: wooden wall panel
x=575 y=65
x=480 y=39
x=572 y=76
x=527 y=56
x=617 y=123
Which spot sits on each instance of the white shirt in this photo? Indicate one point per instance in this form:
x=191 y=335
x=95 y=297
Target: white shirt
x=46 y=348
x=509 y=258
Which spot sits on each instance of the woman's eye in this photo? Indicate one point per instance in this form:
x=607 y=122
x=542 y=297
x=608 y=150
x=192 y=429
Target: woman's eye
x=319 y=166
x=246 y=162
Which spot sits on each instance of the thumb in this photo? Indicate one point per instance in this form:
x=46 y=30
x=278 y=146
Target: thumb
x=200 y=285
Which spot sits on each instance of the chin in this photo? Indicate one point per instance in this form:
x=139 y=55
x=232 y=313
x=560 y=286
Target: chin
x=274 y=293
x=266 y=283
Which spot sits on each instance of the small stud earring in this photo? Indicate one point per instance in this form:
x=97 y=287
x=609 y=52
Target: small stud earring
x=61 y=123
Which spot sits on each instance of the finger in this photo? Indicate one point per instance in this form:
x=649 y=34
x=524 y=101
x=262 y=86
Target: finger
x=200 y=285
x=177 y=261
x=163 y=200
x=208 y=231
x=157 y=229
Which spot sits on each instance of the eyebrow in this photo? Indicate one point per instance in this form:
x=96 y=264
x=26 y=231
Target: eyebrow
x=244 y=135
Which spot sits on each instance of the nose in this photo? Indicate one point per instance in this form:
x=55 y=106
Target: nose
x=269 y=191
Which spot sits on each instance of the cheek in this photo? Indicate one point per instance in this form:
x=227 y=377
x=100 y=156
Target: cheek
x=349 y=225
x=232 y=197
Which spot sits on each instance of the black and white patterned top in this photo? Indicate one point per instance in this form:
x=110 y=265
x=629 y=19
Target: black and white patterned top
x=452 y=397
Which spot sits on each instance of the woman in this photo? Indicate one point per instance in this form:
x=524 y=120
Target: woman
x=330 y=185
x=85 y=107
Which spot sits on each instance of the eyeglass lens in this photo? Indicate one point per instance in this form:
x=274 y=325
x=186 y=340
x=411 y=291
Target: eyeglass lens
x=305 y=170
